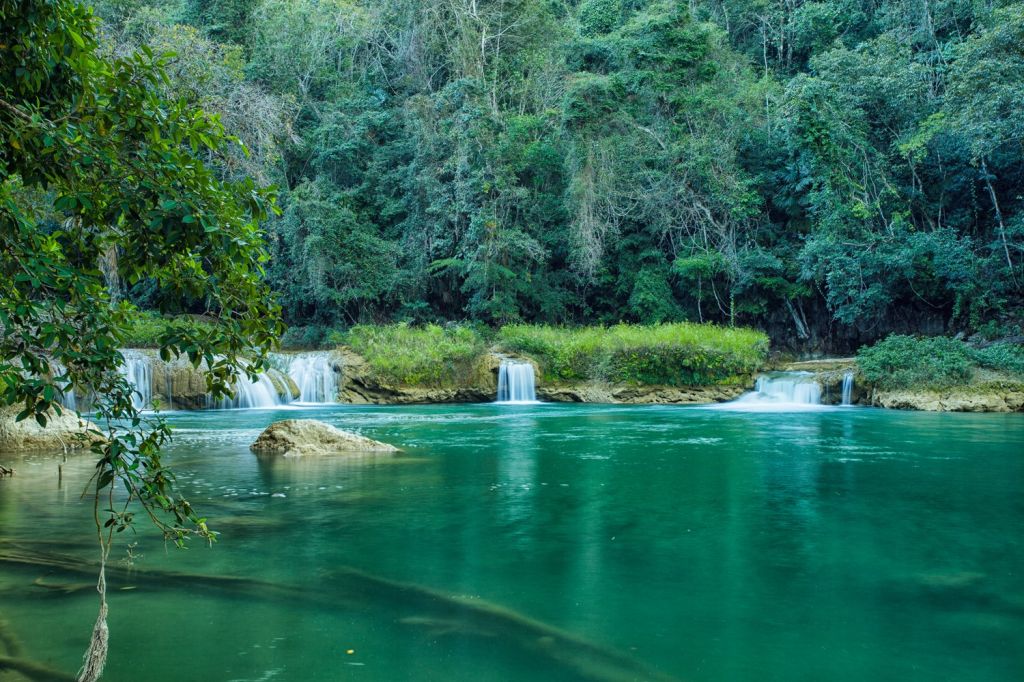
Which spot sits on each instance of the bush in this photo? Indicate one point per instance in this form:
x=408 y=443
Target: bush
x=682 y=354
x=1004 y=357
x=416 y=356
x=905 y=362
x=309 y=337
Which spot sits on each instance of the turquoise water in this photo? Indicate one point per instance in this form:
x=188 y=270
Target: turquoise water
x=577 y=542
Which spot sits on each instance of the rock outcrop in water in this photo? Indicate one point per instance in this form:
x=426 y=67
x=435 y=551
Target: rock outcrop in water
x=67 y=430
x=361 y=385
x=297 y=437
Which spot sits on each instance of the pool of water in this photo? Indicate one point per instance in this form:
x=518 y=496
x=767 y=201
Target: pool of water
x=553 y=542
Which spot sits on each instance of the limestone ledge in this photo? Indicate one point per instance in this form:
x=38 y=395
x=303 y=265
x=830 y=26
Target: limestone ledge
x=1005 y=397
x=360 y=386
x=640 y=395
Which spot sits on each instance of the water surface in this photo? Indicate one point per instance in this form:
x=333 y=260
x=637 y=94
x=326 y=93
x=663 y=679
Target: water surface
x=702 y=544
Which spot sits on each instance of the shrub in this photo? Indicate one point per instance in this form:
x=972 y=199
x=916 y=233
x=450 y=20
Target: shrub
x=1004 y=357
x=430 y=355
x=905 y=361
x=678 y=354
x=303 y=338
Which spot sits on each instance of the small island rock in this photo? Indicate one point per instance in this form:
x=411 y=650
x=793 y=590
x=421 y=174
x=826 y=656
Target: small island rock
x=296 y=437
x=64 y=431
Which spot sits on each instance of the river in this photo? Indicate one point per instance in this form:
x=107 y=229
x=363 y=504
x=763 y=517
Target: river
x=519 y=542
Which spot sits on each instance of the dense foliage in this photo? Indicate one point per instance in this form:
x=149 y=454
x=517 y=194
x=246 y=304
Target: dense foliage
x=680 y=354
x=936 y=362
x=416 y=356
x=909 y=362
x=829 y=170
x=96 y=167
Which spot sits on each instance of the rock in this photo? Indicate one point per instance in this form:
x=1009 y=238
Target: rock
x=67 y=430
x=639 y=395
x=360 y=386
x=284 y=385
x=820 y=365
x=296 y=437
x=998 y=398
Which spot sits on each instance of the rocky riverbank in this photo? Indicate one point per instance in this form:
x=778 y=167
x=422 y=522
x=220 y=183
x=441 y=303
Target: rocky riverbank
x=361 y=386
x=987 y=392
x=992 y=396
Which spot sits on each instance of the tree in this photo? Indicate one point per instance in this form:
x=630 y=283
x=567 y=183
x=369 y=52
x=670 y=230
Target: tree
x=96 y=164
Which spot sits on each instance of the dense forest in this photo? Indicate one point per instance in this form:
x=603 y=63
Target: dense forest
x=830 y=171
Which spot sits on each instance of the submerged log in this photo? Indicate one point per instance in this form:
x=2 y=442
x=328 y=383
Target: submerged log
x=33 y=671
x=10 y=645
x=12 y=660
x=412 y=604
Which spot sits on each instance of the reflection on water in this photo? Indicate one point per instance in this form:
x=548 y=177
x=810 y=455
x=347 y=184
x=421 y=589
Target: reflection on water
x=846 y=544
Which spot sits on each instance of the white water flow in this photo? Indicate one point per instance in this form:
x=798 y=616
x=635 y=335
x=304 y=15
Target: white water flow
x=68 y=400
x=516 y=383
x=66 y=396
x=780 y=392
x=138 y=370
x=315 y=375
x=848 y=389
x=250 y=394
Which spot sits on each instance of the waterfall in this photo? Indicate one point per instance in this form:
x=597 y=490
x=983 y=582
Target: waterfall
x=314 y=374
x=248 y=394
x=138 y=370
x=68 y=400
x=516 y=383
x=790 y=388
x=66 y=393
x=780 y=392
x=848 y=388
x=178 y=382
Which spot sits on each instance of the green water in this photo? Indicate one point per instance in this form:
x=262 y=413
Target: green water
x=843 y=544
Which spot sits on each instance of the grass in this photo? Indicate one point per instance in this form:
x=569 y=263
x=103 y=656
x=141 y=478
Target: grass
x=680 y=354
x=431 y=355
x=901 y=362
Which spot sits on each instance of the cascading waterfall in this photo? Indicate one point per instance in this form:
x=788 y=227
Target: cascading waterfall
x=315 y=375
x=153 y=379
x=138 y=370
x=790 y=387
x=779 y=391
x=68 y=400
x=516 y=383
x=250 y=394
x=848 y=389
x=67 y=395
